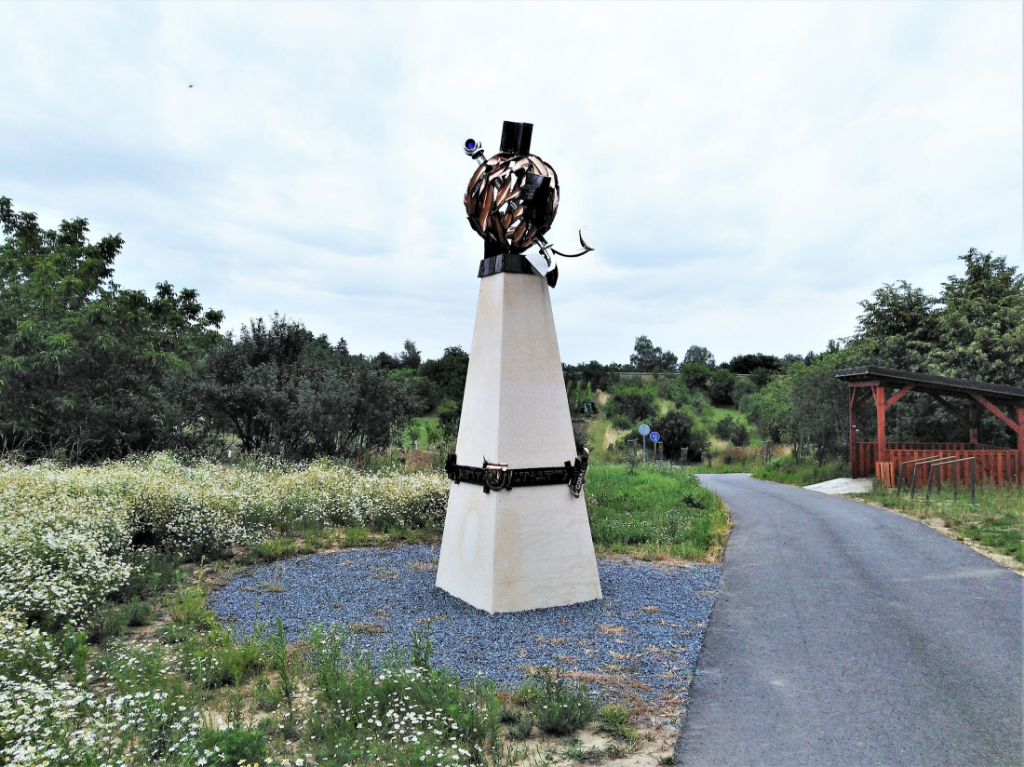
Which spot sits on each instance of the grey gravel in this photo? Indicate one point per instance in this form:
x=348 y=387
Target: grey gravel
x=649 y=625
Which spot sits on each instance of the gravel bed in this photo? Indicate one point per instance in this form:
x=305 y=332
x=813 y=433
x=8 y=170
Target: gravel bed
x=649 y=625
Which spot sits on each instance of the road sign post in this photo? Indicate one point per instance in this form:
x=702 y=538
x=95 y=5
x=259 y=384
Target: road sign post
x=644 y=431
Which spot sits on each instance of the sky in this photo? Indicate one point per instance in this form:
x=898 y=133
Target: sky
x=749 y=171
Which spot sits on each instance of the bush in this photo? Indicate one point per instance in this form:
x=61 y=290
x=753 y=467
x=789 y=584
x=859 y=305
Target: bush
x=681 y=435
x=739 y=435
x=234 y=746
x=631 y=407
x=723 y=429
x=695 y=375
x=560 y=706
x=720 y=387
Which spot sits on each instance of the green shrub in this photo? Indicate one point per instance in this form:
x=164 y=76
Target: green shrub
x=739 y=435
x=560 y=705
x=234 y=746
x=681 y=435
x=631 y=407
x=724 y=427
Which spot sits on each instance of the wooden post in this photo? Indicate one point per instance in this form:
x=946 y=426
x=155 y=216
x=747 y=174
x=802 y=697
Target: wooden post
x=1020 y=445
x=853 y=435
x=880 y=412
x=973 y=413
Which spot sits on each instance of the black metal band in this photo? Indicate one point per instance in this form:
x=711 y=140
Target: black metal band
x=504 y=262
x=498 y=476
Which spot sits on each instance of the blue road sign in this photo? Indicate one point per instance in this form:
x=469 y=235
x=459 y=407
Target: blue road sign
x=655 y=436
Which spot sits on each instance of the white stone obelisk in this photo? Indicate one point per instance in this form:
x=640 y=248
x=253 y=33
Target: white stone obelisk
x=529 y=547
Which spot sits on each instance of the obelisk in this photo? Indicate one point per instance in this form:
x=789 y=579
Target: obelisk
x=516 y=535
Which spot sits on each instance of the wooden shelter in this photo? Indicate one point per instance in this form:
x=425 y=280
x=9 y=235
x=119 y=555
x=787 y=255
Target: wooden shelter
x=996 y=465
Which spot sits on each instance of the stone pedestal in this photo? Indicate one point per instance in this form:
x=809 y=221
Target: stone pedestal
x=529 y=547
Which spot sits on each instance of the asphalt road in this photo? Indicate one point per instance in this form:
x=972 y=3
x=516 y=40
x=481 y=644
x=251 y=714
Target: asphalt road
x=849 y=635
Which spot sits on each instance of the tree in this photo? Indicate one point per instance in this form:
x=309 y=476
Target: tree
x=723 y=428
x=89 y=369
x=720 y=386
x=744 y=364
x=739 y=435
x=695 y=375
x=449 y=372
x=699 y=355
x=680 y=434
x=410 y=355
x=648 y=358
x=645 y=354
x=898 y=327
x=628 y=408
x=283 y=390
x=980 y=328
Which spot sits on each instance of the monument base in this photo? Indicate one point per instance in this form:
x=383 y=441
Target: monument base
x=520 y=550
x=529 y=547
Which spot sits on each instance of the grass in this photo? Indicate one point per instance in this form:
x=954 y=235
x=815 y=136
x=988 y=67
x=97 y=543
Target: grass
x=654 y=513
x=151 y=677
x=803 y=472
x=996 y=521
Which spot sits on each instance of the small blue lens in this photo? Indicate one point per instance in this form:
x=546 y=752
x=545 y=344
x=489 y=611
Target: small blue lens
x=470 y=144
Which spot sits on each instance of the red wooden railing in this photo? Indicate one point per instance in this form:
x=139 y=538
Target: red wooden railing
x=994 y=465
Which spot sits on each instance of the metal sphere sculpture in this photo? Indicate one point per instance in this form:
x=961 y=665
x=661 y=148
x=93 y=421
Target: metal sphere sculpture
x=512 y=199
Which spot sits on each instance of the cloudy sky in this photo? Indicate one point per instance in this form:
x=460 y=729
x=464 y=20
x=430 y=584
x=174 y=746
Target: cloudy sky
x=750 y=171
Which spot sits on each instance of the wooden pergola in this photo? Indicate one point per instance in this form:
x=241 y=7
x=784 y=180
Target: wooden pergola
x=993 y=464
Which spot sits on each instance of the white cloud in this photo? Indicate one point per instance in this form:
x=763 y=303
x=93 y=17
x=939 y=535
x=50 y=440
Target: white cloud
x=752 y=170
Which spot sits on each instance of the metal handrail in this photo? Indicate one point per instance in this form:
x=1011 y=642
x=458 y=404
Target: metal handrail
x=899 y=475
x=956 y=477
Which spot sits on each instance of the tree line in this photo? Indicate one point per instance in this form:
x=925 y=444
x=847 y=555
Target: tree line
x=91 y=370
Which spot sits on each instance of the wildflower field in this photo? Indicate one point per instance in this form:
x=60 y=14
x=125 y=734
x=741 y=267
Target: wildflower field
x=109 y=655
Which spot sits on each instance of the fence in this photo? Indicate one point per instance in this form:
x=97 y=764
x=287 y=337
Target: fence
x=994 y=465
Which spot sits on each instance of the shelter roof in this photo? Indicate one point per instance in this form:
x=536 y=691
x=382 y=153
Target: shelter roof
x=957 y=387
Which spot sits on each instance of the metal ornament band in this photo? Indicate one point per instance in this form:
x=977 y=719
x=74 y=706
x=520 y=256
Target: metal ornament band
x=504 y=262
x=498 y=476
x=516 y=263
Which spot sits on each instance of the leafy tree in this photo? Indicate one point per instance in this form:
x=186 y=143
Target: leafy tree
x=283 y=390
x=700 y=355
x=681 y=435
x=89 y=369
x=720 y=386
x=739 y=435
x=648 y=358
x=981 y=325
x=632 y=406
x=898 y=327
x=449 y=372
x=723 y=429
x=695 y=375
x=410 y=356
x=593 y=374
x=385 y=361
x=748 y=363
x=449 y=418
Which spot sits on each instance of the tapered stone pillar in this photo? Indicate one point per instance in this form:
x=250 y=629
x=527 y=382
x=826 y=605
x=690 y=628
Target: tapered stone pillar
x=529 y=547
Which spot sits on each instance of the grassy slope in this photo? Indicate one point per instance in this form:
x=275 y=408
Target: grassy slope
x=804 y=472
x=654 y=513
